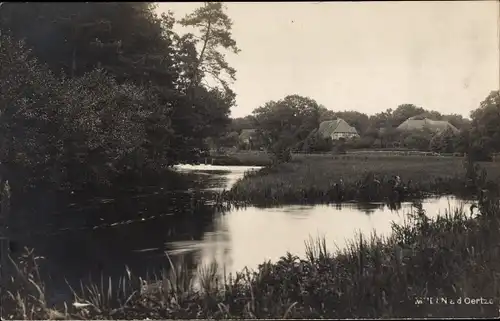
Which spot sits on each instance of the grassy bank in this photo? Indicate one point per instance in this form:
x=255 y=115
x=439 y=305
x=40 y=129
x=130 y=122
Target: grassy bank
x=262 y=158
x=312 y=179
x=239 y=158
x=452 y=257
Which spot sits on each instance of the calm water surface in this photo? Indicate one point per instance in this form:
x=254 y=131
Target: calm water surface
x=247 y=237
x=136 y=230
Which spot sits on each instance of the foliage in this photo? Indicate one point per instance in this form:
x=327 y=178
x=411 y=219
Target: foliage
x=389 y=136
x=377 y=131
x=77 y=38
x=238 y=124
x=340 y=146
x=51 y=134
x=419 y=140
x=106 y=88
x=315 y=143
x=215 y=29
x=291 y=119
x=363 y=142
x=281 y=151
x=443 y=142
x=485 y=132
x=230 y=139
x=403 y=112
x=457 y=120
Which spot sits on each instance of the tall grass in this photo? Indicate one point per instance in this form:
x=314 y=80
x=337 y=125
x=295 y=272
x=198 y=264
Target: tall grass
x=452 y=256
x=333 y=179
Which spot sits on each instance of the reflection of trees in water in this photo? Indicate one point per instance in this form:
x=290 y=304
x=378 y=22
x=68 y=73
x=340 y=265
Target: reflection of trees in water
x=213 y=249
x=394 y=206
x=105 y=234
x=369 y=208
x=219 y=245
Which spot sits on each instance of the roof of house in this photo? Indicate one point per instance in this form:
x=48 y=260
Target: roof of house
x=415 y=123
x=329 y=127
x=247 y=133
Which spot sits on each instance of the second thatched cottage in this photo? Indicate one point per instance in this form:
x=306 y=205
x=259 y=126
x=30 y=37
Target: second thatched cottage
x=421 y=123
x=337 y=129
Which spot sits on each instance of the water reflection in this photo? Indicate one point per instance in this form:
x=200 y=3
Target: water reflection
x=100 y=236
x=247 y=237
x=135 y=228
x=224 y=178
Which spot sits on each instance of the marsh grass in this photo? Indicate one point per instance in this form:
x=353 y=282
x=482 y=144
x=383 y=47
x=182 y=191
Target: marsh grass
x=315 y=179
x=456 y=255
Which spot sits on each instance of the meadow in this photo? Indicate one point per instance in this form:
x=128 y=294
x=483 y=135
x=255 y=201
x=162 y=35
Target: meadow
x=327 y=178
x=239 y=158
x=450 y=258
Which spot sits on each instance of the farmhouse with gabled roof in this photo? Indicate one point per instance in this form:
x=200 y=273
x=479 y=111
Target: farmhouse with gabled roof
x=336 y=129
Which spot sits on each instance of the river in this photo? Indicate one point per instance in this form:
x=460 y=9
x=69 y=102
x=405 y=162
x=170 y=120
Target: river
x=138 y=229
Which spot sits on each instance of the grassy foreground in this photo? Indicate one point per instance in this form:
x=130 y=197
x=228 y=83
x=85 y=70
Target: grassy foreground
x=312 y=179
x=455 y=258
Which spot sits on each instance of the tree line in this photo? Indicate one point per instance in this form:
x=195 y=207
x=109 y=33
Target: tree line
x=91 y=93
x=291 y=123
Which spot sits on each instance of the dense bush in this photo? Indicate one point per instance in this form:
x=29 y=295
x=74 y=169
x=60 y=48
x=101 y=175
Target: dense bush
x=51 y=128
x=315 y=143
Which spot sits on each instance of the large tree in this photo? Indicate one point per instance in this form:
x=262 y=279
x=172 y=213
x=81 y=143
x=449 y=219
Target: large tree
x=214 y=27
x=240 y=123
x=290 y=119
x=137 y=53
x=457 y=120
x=403 y=112
x=133 y=44
x=485 y=132
x=74 y=38
x=354 y=118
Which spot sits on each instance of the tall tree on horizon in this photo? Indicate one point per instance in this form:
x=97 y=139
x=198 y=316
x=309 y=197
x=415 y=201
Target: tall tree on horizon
x=214 y=27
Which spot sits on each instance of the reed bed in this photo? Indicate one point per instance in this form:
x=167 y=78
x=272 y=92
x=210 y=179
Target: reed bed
x=453 y=257
x=315 y=179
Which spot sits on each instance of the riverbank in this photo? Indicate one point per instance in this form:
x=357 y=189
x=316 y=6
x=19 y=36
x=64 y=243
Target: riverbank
x=453 y=257
x=262 y=158
x=238 y=158
x=312 y=179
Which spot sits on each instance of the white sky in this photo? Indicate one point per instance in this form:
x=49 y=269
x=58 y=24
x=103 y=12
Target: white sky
x=367 y=56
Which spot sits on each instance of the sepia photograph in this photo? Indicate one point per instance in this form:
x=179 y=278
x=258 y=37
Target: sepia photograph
x=249 y=160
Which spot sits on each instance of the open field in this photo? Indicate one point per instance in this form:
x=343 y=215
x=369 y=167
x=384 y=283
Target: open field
x=240 y=158
x=312 y=179
x=262 y=158
x=455 y=257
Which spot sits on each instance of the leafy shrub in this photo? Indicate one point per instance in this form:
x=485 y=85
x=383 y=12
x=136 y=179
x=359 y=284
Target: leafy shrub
x=71 y=132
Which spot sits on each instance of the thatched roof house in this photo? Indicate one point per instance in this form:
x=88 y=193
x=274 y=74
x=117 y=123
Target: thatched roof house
x=420 y=123
x=336 y=129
